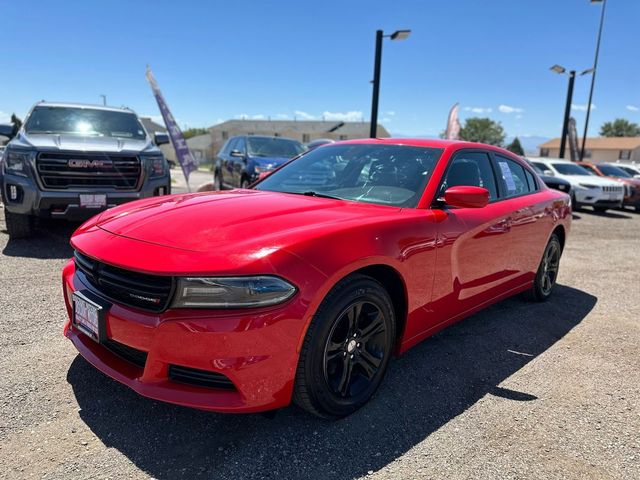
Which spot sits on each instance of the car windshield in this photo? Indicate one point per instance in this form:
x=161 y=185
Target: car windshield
x=571 y=169
x=381 y=174
x=273 y=147
x=611 y=171
x=85 y=122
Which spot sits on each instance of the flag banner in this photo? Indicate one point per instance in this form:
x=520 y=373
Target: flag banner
x=453 y=124
x=186 y=159
x=573 y=140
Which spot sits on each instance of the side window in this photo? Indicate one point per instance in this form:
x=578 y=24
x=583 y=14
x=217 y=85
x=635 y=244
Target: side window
x=471 y=169
x=240 y=145
x=513 y=176
x=231 y=145
x=533 y=186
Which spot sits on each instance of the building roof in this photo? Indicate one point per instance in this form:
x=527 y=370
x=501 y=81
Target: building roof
x=152 y=127
x=305 y=126
x=601 y=143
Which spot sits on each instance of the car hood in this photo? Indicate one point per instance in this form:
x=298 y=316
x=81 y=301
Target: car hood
x=82 y=143
x=236 y=222
x=589 y=179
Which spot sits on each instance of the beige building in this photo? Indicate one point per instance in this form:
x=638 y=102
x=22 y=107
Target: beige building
x=302 y=130
x=599 y=149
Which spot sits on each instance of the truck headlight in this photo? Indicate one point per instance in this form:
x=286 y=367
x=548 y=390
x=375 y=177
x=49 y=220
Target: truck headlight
x=16 y=161
x=588 y=185
x=156 y=164
x=232 y=292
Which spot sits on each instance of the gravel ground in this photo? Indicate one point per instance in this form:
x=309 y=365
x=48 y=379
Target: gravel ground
x=520 y=390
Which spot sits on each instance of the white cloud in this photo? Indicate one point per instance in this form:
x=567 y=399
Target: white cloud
x=4 y=117
x=244 y=116
x=391 y=113
x=304 y=115
x=631 y=108
x=385 y=120
x=351 y=116
x=478 y=109
x=509 y=109
x=581 y=108
x=282 y=116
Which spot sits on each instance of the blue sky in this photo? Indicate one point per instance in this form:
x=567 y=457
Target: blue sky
x=219 y=60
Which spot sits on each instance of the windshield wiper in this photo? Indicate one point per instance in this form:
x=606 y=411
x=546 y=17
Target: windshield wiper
x=311 y=193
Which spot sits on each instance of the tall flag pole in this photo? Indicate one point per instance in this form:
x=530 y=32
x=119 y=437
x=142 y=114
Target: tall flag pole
x=185 y=157
x=453 y=124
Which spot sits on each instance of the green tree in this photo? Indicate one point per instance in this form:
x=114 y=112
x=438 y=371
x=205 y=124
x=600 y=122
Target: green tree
x=516 y=147
x=193 y=132
x=483 y=130
x=16 y=122
x=620 y=127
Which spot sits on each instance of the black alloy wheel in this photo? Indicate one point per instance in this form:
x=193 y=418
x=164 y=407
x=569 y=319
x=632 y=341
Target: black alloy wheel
x=347 y=348
x=547 y=273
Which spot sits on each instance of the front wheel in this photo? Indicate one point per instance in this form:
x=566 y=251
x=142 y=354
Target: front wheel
x=346 y=349
x=547 y=273
x=19 y=226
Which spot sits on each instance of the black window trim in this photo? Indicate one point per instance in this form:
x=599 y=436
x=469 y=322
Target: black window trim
x=524 y=165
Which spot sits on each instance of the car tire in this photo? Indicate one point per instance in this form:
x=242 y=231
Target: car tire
x=18 y=225
x=574 y=204
x=600 y=209
x=342 y=361
x=547 y=273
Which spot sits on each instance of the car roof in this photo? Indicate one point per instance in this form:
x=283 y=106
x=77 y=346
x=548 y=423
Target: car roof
x=550 y=159
x=83 y=105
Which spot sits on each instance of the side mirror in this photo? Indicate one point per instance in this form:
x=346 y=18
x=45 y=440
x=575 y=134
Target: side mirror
x=160 y=138
x=463 y=196
x=6 y=130
x=548 y=173
x=236 y=153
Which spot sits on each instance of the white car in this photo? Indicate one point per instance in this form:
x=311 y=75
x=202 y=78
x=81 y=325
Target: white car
x=632 y=169
x=587 y=189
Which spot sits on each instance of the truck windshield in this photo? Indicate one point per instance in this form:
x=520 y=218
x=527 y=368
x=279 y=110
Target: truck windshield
x=84 y=121
x=571 y=169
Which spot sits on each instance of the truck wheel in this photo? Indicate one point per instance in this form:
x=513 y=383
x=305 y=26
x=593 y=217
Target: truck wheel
x=19 y=226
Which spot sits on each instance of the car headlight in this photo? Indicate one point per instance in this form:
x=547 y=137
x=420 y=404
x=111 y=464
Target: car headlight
x=263 y=168
x=156 y=164
x=588 y=185
x=16 y=161
x=232 y=292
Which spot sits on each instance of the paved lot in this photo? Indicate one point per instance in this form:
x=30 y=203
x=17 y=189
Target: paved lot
x=519 y=391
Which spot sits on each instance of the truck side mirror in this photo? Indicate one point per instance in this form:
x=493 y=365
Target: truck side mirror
x=160 y=138
x=6 y=130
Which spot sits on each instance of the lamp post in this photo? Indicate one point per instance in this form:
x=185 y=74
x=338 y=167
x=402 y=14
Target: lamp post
x=397 y=35
x=567 y=109
x=104 y=100
x=593 y=78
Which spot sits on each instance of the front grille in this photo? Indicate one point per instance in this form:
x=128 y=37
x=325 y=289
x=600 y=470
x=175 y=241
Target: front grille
x=140 y=290
x=59 y=171
x=612 y=189
x=199 y=378
x=130 y=354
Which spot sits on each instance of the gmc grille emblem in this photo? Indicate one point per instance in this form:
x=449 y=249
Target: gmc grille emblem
x=75 y=163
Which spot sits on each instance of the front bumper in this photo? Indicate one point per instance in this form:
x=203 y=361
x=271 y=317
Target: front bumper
x=596 y=198
x=255 y=349
x=31 y=200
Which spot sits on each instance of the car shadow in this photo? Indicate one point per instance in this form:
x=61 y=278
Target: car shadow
x=607 y=214
x=50 y=241
x=424 y=389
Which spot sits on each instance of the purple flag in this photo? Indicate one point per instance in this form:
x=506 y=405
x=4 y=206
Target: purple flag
x=185 y=157
x=453 y=124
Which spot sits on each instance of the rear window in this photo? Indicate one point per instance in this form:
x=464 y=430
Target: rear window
x=514 y=177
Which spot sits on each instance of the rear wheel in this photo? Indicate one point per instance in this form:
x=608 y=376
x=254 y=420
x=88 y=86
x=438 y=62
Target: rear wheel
x=19 y=226
x=347 y=349
x=547 y=273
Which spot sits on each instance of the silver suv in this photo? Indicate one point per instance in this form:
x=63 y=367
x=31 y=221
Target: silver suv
x=72 y=161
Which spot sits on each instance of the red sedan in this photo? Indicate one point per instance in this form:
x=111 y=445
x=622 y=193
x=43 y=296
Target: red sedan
x=303 y=287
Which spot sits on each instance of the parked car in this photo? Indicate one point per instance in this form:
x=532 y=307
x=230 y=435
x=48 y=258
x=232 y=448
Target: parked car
x=242 y=159
x=318 y=143
x=70 y=161
x=612 y=171
x=632 y=169
x=587 y=189
x=552 y=182
x=304 y=286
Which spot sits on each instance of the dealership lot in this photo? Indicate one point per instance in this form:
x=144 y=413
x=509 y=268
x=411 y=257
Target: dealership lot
x=521 y=390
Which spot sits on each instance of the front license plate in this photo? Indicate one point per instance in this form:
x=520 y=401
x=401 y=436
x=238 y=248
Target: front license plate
x=89 y=316
x=93 y=200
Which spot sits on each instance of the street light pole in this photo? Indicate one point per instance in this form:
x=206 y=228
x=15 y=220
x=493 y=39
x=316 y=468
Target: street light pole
x=567 y=112
x=373 y=128
x=593 y=78
x=104 y=100
x=397 y=35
